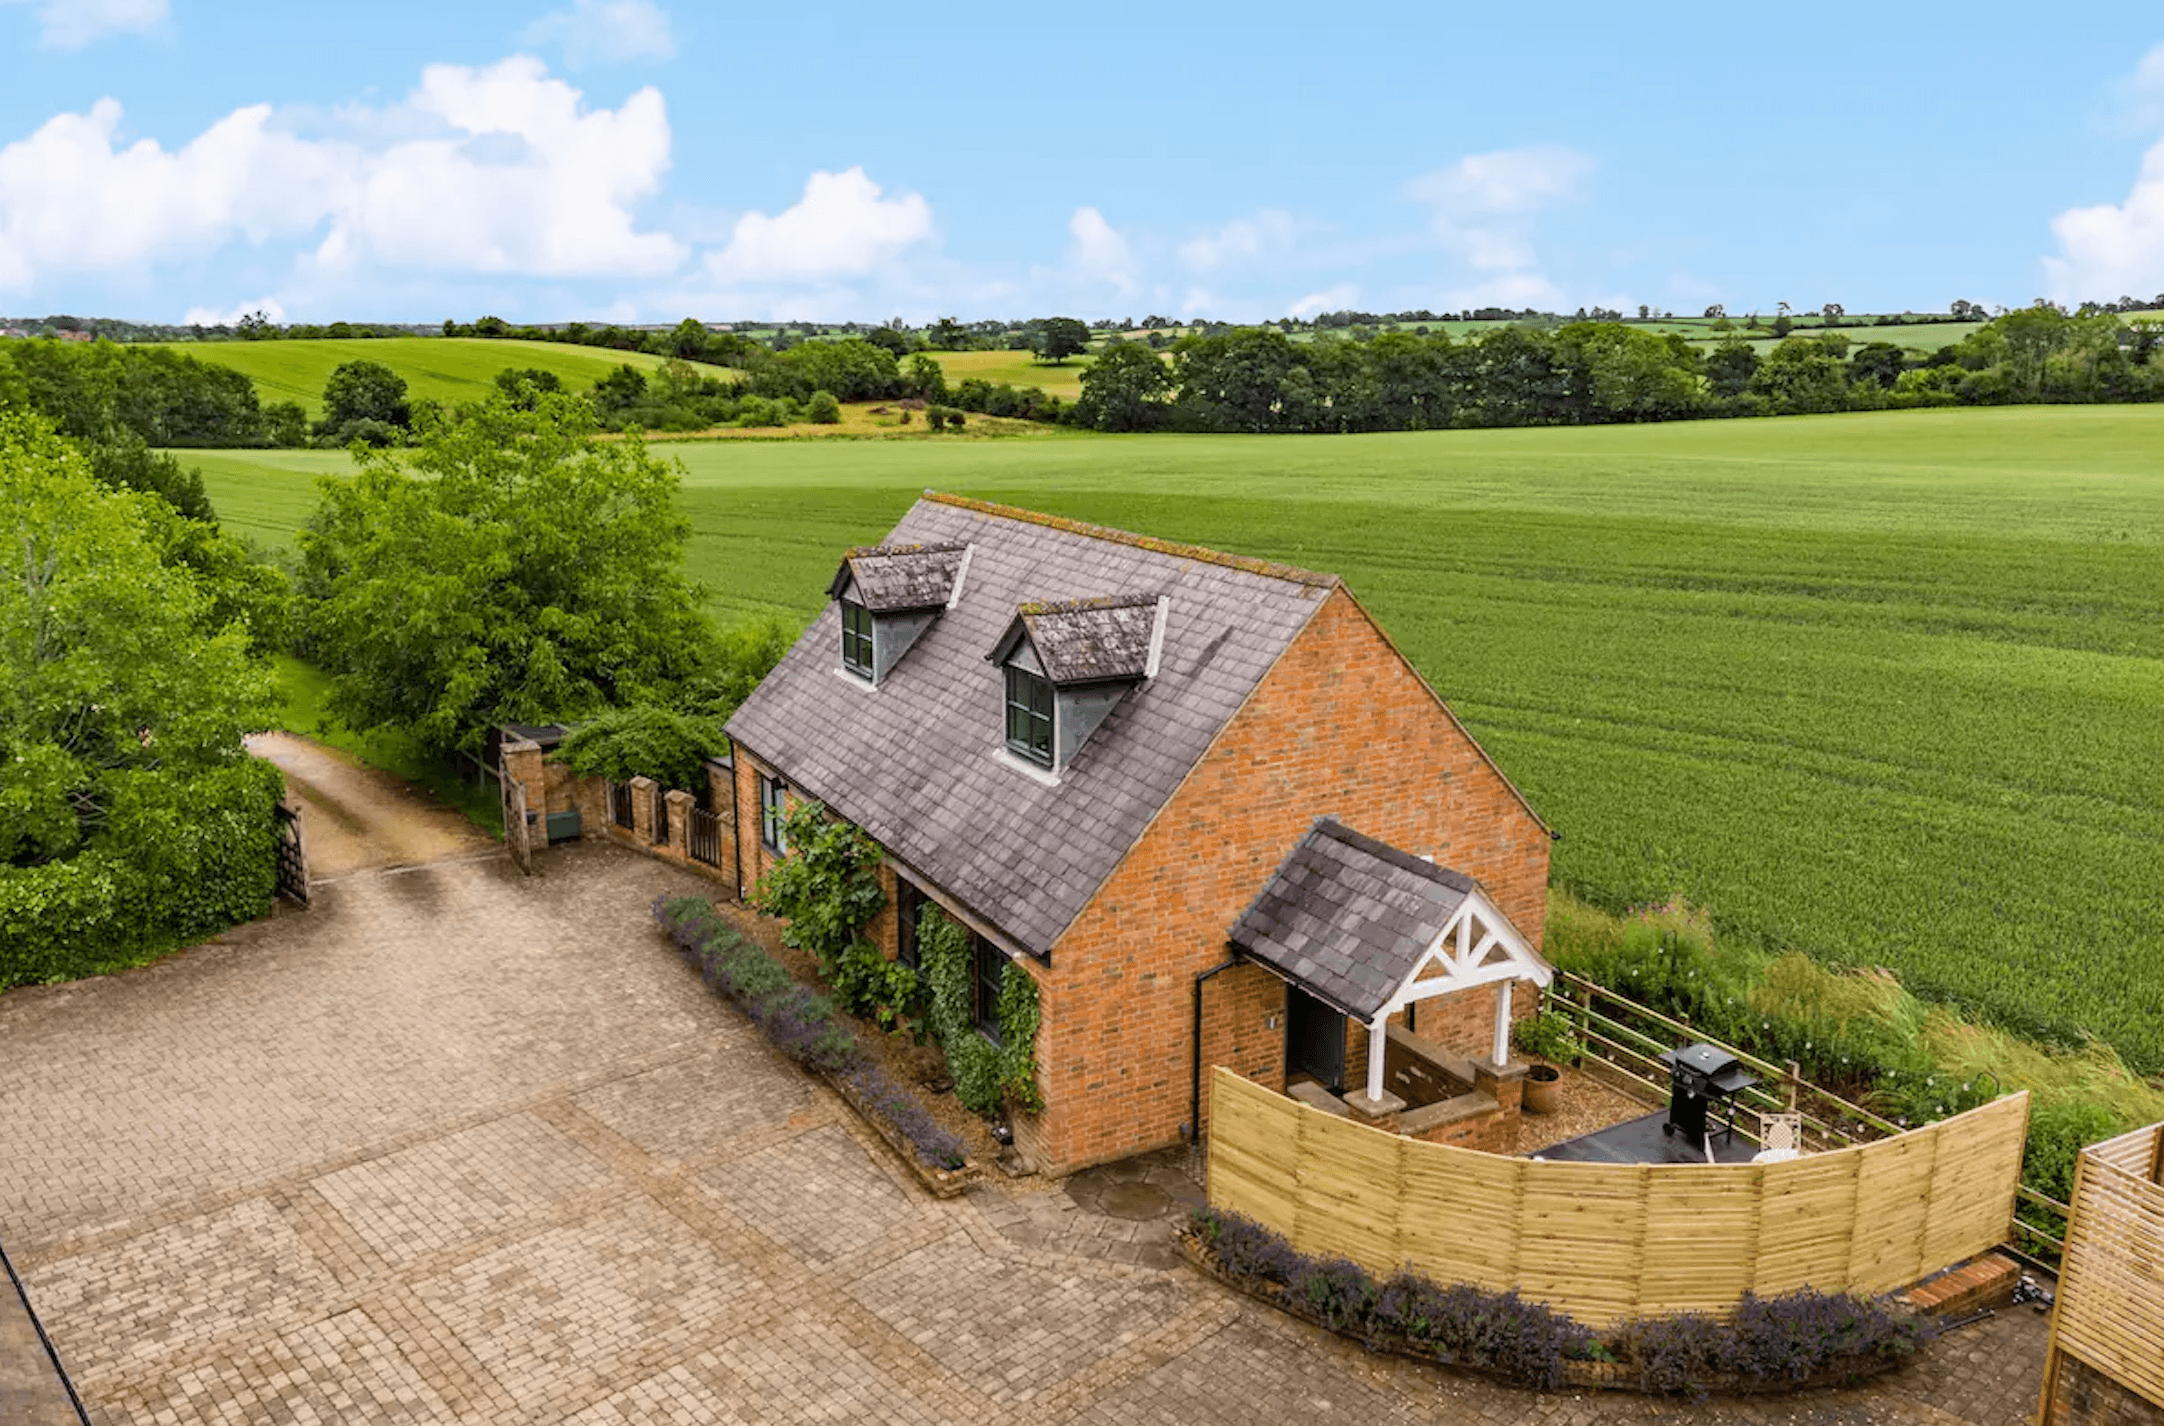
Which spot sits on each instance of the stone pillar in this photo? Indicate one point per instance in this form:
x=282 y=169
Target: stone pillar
x=642 y=809
x=522 y=764
x=680 y=805
x=1376 y=1111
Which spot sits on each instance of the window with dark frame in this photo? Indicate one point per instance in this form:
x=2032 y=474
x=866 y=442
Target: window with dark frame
x=1029 y=715
x=857 y=639
x=991 y=978
x=908 y=906
x=772 y=808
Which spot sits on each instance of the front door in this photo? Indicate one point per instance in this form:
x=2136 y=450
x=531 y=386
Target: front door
x=1314 y=1039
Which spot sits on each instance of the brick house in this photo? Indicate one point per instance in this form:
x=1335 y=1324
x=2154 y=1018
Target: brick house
x=1202 y=799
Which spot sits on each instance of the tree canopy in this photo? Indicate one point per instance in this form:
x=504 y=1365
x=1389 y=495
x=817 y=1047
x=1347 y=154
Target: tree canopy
x=1054 y=339
x=364 y=400
x=510 y=567
x=112 y=669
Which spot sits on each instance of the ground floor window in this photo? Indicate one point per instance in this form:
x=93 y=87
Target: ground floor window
x=991 y=978
x=908 y=906
x=772 y=808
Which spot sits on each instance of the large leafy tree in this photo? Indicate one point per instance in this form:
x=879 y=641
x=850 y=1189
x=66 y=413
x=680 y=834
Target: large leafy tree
x=511 y=567
x=1126 y=390
x=364 y=400
x=1055 y=339
x=111 y=671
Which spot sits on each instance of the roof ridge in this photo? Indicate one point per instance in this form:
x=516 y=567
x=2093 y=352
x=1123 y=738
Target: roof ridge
x=1036 y=607
x=1269 y=569
x=857 y=552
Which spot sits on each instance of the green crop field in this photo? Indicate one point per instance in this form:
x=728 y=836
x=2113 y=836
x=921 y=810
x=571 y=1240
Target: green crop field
x=440 y=368
x=1014 y=369
x=1885 y=687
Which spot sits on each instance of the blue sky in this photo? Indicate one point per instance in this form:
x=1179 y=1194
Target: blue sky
x=641 y=160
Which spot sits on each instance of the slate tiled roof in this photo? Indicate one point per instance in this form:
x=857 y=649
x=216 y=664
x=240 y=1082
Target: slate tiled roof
x=920 y=761
x=1086 y=640
x=891 y=578
x=1348 y=918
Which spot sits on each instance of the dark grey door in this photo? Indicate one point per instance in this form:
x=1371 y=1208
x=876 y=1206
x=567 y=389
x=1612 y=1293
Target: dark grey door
x=1314 y=1039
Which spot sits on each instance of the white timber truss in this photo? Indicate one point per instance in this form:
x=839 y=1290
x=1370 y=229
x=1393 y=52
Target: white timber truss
x=1477 y=947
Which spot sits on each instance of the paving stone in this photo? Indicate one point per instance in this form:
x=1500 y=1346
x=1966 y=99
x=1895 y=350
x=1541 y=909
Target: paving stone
x=550 y=1311
x=341 y=1370
x=818 y=1194
x=1008 y=1328
x=679 y=1110
x=448 y=1190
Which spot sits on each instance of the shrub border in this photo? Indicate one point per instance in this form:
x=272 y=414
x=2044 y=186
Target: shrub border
x=1577 y=1373
x=829 y=1051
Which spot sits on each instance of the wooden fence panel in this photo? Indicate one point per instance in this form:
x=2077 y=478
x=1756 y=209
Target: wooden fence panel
x=1973 y=1182
x=2111 y=1285
x=1579 y=1236
x=1893 y=1179
x=1459 y=1218
x=1254 y=1137
x=1808 y=1214
x=1702 y=1227
x=1608 y=1241
x=1348 y=1192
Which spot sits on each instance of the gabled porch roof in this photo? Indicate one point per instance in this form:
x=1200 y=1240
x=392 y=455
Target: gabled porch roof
x=1369 y=929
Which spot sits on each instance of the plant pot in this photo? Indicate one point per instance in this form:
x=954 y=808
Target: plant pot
x=1543 y=1089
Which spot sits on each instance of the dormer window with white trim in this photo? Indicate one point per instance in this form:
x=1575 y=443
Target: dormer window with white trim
x=889 y=595
x=1068 y=665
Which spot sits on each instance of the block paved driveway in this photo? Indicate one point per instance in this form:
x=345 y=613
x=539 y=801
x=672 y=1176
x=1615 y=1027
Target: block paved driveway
x=459 y=1146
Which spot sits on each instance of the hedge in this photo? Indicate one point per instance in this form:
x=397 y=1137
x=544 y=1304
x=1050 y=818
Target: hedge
x=179 y=860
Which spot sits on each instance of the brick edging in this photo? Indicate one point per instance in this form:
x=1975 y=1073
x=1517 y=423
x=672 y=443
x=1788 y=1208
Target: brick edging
x=939 y=1182
x=1586 y=1376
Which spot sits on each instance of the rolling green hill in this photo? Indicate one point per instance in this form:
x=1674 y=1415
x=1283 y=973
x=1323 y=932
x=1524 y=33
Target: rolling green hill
x=440 y=368
x=1882 y=687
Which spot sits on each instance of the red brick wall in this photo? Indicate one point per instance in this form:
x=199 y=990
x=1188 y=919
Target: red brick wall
x=1341 y=727
x=2083 y=1396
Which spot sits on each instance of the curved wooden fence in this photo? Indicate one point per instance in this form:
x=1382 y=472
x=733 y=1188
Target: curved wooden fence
x=1604 y=1242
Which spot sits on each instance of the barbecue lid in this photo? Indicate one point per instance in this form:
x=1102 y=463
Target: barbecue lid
x=1717 y=1067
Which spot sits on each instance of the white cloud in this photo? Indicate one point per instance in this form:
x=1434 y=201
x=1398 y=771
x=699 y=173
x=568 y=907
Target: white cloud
x=1485 y=205
x=72 y=24
x=1197 y=301
x=1100 y=252
x=270 y=307
x=516 y=175
x=526 y=180
x=1242 y=240
x=841 y=227
x=2113 y=249
x=1330 y=299
x=605 y=32
x=2137 y=102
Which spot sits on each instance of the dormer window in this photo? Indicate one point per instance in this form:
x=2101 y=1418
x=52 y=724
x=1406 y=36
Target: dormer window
x=1068 y=665
x=1029 y=715
x=889 y=595
x=856 y=638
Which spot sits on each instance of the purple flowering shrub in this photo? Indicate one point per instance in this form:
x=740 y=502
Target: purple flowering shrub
x=1766 y=1341
x=797 y=1021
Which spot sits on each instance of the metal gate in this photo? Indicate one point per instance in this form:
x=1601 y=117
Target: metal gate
x=292 y=854
x=705 y=837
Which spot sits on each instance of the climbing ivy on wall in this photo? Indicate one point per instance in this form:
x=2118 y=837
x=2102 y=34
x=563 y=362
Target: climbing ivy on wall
x=828 y=888
x=984 y=1073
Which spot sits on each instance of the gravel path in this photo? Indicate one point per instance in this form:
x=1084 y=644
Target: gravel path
x=355 y=817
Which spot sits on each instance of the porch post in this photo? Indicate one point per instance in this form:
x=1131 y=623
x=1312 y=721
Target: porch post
x=1378 y=1042
x=1502 y=1022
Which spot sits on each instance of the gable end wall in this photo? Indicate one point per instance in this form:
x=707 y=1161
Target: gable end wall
x=1341 y=725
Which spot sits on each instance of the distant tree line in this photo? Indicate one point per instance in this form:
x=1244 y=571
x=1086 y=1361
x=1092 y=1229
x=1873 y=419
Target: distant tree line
x=1588 y=373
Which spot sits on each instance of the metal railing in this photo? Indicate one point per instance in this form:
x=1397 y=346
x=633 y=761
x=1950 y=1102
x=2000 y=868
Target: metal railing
x=620 y=804
x=661 y=818
x=704 y=835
